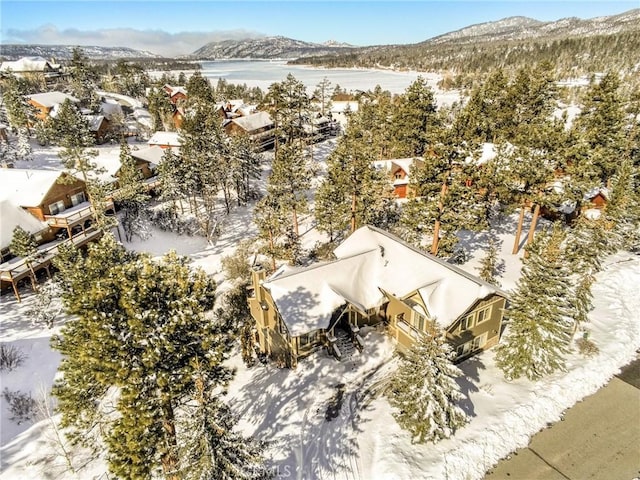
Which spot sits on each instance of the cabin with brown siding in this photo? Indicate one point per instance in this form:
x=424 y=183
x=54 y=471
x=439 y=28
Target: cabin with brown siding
x=376 y=279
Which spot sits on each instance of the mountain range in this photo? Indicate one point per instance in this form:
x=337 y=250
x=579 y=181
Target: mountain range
x=65 y=52
x=279 y=47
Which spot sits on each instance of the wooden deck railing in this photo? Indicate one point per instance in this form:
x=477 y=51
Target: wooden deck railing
x=71 y=219
x=18 y=268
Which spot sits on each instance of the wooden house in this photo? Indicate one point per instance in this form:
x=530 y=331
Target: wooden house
x=177 y=94
x=44 y=103
x=376 y=279
x=32 y=66
x=48 y=204
x=258 y=127
x=397 y=171
x=99 y=127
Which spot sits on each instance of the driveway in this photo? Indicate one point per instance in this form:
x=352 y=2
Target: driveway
x=598 y=438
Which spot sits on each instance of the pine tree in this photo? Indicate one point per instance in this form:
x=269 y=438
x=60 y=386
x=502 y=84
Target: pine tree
x=140 y=329
x=489 y=264
x=132 y=194
x=272 y=222
x=601 y=123
x=622 y=211
x=83 y=80
x=23 y=244
x=290 y=180
x=244 y=166
x=423 y=391
x=539 y=315
x=443 y=199
x=322 y=95
x=415 y=120
x=212 y=449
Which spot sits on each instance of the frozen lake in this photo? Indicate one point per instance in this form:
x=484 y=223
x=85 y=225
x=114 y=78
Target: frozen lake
x=256 y=73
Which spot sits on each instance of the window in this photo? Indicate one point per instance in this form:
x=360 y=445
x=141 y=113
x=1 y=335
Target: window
x=56 y=208
x=466 y=323
x=419 y=322
x=480 y=341
x=398 y=175
x=463 y=349
x=483 y=315
x=77 y=198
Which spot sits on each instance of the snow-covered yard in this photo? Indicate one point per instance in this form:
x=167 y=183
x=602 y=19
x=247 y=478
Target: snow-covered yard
x=327 y=419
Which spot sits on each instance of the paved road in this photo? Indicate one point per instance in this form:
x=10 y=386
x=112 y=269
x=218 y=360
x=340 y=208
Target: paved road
x=598 y=439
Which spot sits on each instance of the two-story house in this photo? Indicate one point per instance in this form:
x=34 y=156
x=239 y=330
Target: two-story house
x=376 y=279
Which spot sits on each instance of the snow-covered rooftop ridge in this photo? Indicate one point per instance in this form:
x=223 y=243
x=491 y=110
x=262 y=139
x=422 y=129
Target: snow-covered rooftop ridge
x=26 y=187
x=254 y=121
x=382 y=234
x=369 y=263
x=50 y=99
x=27 y=64
x=165 y=138
x=152 y=154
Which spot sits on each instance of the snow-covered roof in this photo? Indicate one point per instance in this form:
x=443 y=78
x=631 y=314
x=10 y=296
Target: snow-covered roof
x=254 y=121
x=341 y=106
x=95 y=121
x=26 y=187
x=106 y=167
x=369 y=262
x=12 y=216
x=171 y=139
x=28 y=64
x=50 y=99
x=594 y=192
x=152 y=154
x=110 y=107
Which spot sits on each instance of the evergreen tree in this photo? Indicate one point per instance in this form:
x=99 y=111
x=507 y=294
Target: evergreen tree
x=539 y=315
x=601 y=124
x=212 y=449
x=140 y=329
x=623 y=208
x=272 y=222
x=15 y=151
x=423 y=391
x=322 y=95
x=23 y=243
x=244 y=167
x=132 y=194
x=415 y=120
x=443 y=199
x=83 y=80
x=290 y=180
x=199 y=90
x=489 y=264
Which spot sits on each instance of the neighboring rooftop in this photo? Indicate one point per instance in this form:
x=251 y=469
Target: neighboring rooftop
x=50 y=99
x=26 y=187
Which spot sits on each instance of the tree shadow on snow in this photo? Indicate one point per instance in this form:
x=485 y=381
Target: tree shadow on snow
x=468 y=382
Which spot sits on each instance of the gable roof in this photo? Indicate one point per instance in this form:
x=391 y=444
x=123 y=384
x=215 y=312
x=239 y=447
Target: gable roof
x=253 y=122
x=165 y=138
x=28 y=64
x=152 y=154
x=50 y=99
x=370 y=262
x=26 y=187
x=12 y=216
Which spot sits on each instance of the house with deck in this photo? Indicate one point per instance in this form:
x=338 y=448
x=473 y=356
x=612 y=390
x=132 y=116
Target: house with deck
x=45 y=103
x=376 y=279
x=51 y=205
x=259 y=127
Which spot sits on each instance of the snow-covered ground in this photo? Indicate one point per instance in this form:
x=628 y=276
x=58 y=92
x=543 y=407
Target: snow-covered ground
x=288 y=408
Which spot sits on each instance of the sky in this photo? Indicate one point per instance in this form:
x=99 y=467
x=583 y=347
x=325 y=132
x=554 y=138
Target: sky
x=179 y=27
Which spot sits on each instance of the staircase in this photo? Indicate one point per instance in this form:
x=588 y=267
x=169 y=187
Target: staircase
x=344 y=344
